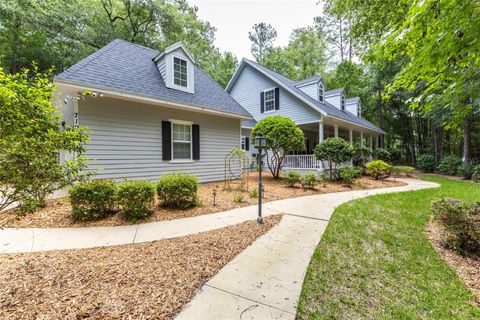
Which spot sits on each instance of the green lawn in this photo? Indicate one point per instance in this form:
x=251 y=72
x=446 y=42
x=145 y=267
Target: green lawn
x=375 y=262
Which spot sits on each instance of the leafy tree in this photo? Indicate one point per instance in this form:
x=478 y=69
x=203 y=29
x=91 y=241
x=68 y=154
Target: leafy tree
x=283 y=136
x=262 y=38
x=303 y=57
x=335 y=151
x=31 y=137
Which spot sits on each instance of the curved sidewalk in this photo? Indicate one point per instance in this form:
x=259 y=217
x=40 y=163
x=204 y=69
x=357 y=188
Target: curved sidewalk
x=315 y=207
x=265 y=280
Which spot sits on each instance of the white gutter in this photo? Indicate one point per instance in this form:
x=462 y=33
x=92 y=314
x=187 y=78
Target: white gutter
x=146 y=99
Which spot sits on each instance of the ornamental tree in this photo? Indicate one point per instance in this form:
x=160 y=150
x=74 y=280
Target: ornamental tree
x=335 y=151
x=283 y=136
x=31 y=138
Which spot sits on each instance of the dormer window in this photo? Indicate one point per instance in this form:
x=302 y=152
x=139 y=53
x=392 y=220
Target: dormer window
x=180 y=72
x=321 y=92
x=342 y=102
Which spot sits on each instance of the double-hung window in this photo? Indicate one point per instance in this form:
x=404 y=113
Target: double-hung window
x=321 y=92
x=181 y=140
x=270 y=100
x=180 y=74
x=342 y=102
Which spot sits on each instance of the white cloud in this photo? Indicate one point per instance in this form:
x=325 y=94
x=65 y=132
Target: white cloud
x=234 y=18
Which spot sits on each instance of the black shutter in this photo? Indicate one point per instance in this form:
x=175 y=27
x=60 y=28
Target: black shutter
x=262 y=102
x=166 y=140
x=196 y=142
x=247 y=143
x=277 y=98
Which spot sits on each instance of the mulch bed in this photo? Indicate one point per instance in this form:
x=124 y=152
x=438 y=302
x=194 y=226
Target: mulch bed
x=467 y=268
x=140 y=281
x=58 y=211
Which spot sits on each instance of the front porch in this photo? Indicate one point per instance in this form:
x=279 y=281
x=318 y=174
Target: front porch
x=317 y=132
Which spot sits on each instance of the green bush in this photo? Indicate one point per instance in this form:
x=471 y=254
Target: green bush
x=462 y=223
x=449 y=165
x=349 y=174
x=253 y=193
x=426 y=163
x=335 y=151
x=238 y=198
x=379 y=169
x=381 y=154
x=178 y=190
x=476 y=173
x=310 y=180
x=395 y=154
x=361 y=155
x=406 y=170
x=466 y=170
x=292 y=178
x=136 y=198
x=92 y=199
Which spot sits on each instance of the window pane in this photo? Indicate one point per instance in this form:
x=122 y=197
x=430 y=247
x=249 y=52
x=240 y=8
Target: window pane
x=181 y=150
x=181 y=132
x=180 y=72
x=270 y=100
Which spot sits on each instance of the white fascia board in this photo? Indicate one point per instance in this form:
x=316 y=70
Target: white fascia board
x=145 y=99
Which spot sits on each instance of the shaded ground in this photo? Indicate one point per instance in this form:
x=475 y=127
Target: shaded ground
x=58 y=212
x=142 y=281
x=375 y=261
x=467 y=268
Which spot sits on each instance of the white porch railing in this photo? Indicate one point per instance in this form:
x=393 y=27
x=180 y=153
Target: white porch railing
x=307 y=161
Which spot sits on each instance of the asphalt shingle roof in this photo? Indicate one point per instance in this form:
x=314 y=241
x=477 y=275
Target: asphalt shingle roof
x=128 y=67
x=325 y=106
x=249 y=123
x=334 y=91
x=308 y=80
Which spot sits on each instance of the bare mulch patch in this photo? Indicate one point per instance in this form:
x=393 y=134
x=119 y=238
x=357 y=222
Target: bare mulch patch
x=58 y=211
x=467 y=268
x=140 y=281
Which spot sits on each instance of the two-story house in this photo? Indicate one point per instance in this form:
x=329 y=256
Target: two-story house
x=319 y=113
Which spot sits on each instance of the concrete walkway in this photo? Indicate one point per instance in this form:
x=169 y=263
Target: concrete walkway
x=262 y=282
x=265 y=280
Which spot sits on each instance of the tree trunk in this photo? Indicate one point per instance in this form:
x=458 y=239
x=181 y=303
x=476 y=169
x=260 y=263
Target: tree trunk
x=380 y=116
x=467 y=123
x=15 y=43
x=436 y=144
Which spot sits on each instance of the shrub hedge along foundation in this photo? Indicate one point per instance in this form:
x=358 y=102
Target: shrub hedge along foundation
x=136 y=198
x=178 y=190
x=92 y=199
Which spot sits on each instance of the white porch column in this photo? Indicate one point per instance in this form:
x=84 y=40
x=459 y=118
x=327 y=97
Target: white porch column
x=371 y=141
x=335 y=131
x=350 y=136
x=361 y=139
x=320 y=131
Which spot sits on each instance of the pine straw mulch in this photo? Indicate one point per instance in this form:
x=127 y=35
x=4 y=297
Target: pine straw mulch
x=467 y=268
x=58 y=211
x=140 y=281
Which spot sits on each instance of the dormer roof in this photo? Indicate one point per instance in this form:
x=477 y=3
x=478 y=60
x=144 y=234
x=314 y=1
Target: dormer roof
x=172 y=48
x=309 y=80
x=334 y=92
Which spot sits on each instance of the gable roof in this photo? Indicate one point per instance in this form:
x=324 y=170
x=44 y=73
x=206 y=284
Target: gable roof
x=129 y=68
x=334 y=92
x=324 y=108
x=249 y=123
x=308 y=81
x=173 y=47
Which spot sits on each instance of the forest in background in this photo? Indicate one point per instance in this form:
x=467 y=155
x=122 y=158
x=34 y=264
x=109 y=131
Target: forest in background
x=415 y=64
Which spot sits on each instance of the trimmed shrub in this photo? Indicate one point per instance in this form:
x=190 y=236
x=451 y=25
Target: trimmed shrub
x=335 y=151
x=462 y=223
x=426 y=163
x=92 y=199
x=476 y=173
x=466 y=170
x=381 y=154
x=361 y=155
x=449 y=165
x=310 y=180
x=379 y=169
x=349 y=174
x=178 y=190
x=292 y=178
x=136 y=199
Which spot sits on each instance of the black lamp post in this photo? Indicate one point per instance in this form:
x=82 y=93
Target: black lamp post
x=260 y=143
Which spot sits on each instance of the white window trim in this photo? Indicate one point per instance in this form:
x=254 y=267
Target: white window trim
x=176 y=86
x=265 y=100
x=321 y=86
x=187 y=123
x=342 y=102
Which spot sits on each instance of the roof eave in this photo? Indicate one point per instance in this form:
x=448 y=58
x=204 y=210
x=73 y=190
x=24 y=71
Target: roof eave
x=148 y=99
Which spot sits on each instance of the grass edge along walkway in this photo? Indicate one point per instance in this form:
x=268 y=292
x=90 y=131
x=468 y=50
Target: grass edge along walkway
x=375 y=261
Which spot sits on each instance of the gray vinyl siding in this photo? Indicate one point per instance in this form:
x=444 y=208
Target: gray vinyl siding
x=162 y=68
x=334 y=100
x=247 y=90
x=126 y=140
x=311 y=90
x=352 y=108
